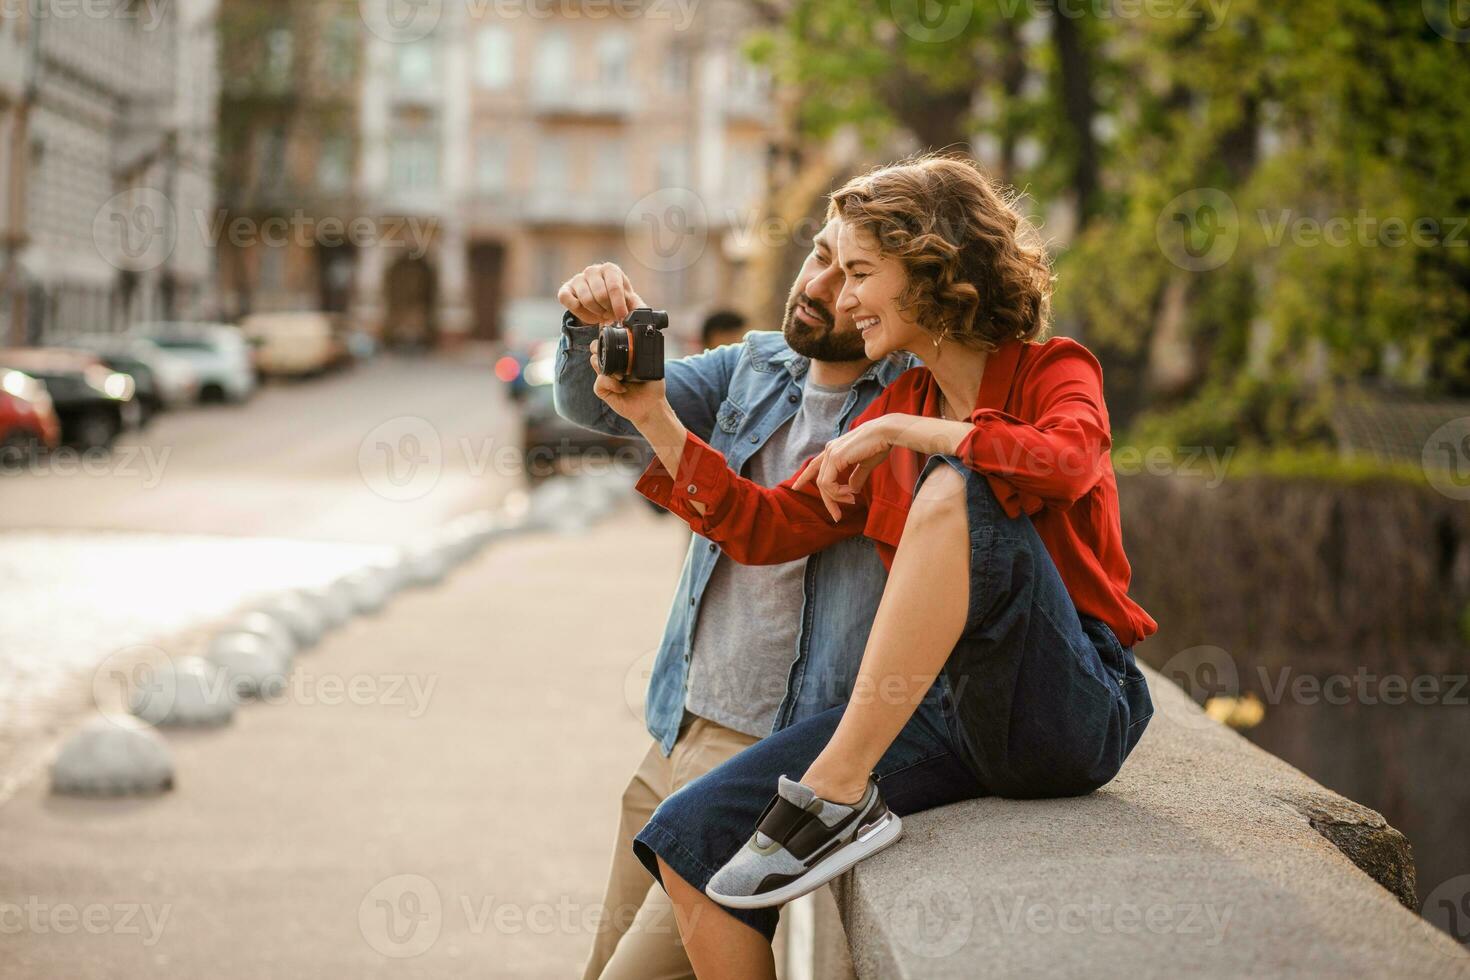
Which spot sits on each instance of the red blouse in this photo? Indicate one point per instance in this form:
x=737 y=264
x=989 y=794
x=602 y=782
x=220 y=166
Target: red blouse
x=1040 y=435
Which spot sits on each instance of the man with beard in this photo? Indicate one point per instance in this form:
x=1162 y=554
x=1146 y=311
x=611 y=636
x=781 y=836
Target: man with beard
x=747 y=649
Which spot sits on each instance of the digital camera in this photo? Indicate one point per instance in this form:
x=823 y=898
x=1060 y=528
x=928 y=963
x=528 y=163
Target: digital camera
x=634 y=349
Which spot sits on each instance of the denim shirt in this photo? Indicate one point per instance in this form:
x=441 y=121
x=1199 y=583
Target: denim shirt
x=734 y=397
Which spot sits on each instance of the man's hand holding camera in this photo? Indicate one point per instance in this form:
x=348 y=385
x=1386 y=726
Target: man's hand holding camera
x=599 y=294
x=628 y=354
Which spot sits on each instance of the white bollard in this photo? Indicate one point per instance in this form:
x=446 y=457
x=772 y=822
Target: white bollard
x=268 y=627
x=253 y=667
x=424 y=563
x=188 y=691
x=334 y=607
x=369 y=589
x=112 y=757
x=300 y=617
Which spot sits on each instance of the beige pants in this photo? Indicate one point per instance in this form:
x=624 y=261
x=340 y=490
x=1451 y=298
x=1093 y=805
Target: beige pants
x=639 y=939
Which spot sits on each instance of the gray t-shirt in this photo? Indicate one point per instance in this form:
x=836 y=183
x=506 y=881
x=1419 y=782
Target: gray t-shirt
x=745 y=639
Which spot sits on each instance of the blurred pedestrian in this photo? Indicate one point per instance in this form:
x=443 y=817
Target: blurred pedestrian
x=722 y=327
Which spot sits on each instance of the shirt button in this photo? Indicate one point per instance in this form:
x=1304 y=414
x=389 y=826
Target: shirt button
x=691 y=600
x=692 y=488
x=755 y=439
x=713 y=546
x=792 y=399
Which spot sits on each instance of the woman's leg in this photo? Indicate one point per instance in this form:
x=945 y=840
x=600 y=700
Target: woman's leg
x=1042 y=703
x=719 y=945
x=698 y=829
x=919 y=621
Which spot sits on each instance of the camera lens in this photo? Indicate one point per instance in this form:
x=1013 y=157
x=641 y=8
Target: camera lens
x=613 y=349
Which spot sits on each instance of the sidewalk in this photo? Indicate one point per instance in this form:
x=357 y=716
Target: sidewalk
x=436 y=795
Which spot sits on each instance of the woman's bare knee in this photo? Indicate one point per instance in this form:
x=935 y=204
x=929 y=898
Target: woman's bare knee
x=940 y=501
x=719 y=945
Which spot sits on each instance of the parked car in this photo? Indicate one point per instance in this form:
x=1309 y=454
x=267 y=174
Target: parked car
x=218 y=352
x=94 y=402
x=173 y=381
x=28 y=419
x=295 y=344
x=546 y=437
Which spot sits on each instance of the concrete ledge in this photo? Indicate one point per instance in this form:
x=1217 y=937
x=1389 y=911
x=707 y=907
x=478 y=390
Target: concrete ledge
x=1205 y=857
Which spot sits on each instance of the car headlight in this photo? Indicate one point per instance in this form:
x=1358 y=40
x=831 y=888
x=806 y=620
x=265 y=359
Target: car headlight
x=539 y=373
x=15 y=383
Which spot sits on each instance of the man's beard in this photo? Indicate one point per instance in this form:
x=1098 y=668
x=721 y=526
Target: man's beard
x=823 y=343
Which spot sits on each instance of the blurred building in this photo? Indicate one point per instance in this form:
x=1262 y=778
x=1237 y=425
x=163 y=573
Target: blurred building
x=106 y=161
x=469 y=164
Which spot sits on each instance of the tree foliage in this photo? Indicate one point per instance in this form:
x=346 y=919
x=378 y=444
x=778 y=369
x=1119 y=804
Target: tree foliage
x=1270 y=200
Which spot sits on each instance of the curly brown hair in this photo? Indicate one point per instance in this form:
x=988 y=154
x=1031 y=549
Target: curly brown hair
x=978 y=272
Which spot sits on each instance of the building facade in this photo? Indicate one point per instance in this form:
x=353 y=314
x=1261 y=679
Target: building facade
x=469 y=163
x=107 y=131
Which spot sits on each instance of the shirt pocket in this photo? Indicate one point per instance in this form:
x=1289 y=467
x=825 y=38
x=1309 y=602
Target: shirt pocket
x=730 y=417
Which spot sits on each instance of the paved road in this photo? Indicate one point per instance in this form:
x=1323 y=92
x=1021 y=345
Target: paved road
x=370 y=455
x=211 y=506
x=435 y=796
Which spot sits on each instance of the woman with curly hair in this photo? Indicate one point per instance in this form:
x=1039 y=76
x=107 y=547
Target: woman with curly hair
x=1000 y=660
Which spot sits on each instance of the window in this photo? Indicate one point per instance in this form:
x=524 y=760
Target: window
x=548 y=274
x=414 y=163
x=610 y=168
x=340 y=50
x=273 y=267
x=612 y=60
x=746 y=78
x=554 y=62
x=492 y=164
x=279 y=49
x=551 y=164
x=334 y=165
x=494 y=58
x=270 y=159
x=673 y=165
x=745 y=174
x=675 y=73
x=415 y=65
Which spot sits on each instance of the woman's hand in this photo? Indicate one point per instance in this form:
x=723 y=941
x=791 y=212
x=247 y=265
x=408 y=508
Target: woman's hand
x=636 y=401
x=841 y=469
x=844 y=465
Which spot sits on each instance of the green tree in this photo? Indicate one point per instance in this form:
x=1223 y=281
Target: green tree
x=1269 y=198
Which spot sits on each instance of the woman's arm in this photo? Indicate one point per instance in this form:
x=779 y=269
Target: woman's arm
x=1053 y=461
x=755 y=525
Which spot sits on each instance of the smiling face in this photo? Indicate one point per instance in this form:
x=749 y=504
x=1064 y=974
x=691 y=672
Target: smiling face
x=870 y=296
x=813 y=326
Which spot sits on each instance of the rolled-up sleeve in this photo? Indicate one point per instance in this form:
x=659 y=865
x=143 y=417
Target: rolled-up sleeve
x=754 y=525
